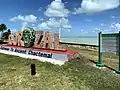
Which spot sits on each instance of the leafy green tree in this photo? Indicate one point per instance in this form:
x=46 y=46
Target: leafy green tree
x=9 y=31
x=6 y=34
x=3 y=27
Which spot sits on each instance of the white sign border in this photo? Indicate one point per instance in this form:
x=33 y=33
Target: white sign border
x=43 y=59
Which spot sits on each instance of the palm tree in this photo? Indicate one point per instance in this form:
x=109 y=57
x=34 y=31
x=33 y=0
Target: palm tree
x=3 y=27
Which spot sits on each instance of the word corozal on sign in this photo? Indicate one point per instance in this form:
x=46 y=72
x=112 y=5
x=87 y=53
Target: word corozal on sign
x=31 y=38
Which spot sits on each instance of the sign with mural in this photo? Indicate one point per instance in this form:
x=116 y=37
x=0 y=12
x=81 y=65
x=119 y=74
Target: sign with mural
x=31 y=38
x=44 y=46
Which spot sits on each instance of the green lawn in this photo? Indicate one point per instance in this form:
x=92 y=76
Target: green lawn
x=109 y=59
x=77 y=74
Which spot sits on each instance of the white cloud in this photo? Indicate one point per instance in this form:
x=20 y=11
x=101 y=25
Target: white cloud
x=67 y=26
x=35 y=28
x=66 y=2
x=13 y=30
x=33 y=24
x=26 y=18
x=56 y=9
x=97 y=30
x=91 y=6
x=54 y=23
x=65 y=23
x=30 y=18
x=40 y=9
x=43 y=26
x=113 y=17
x=24 y=24
x=102 y=24
x=81 y=30
x=13 y=19
x=115 y=27
x=41 y=19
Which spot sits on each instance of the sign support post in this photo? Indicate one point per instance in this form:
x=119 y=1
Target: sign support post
x=118 y=71
x=100 y=64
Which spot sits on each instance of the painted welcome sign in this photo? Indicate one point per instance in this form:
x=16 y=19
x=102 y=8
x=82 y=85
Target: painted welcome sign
x=29 y=52
x=31 y=38
x=23 y=51
x=22 y=43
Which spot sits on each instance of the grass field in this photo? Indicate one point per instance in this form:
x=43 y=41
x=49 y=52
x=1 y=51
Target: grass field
x=77 y=74
x=109 y=59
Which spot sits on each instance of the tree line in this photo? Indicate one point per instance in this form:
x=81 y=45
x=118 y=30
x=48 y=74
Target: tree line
x=5 y=32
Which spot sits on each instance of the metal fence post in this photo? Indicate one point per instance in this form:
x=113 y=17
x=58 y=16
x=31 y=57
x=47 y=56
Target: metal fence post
x=118 y=71
x=100 y=64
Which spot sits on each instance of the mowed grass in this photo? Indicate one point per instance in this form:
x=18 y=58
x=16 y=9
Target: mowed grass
x=77 y=74
x=109 y=59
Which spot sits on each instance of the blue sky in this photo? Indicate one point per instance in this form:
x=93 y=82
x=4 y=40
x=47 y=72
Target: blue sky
x=76 y=17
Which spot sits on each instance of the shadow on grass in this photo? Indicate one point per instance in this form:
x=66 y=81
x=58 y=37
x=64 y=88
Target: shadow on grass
x=104 y=65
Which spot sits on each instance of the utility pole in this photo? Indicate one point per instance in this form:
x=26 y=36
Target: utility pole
x=60 y=29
